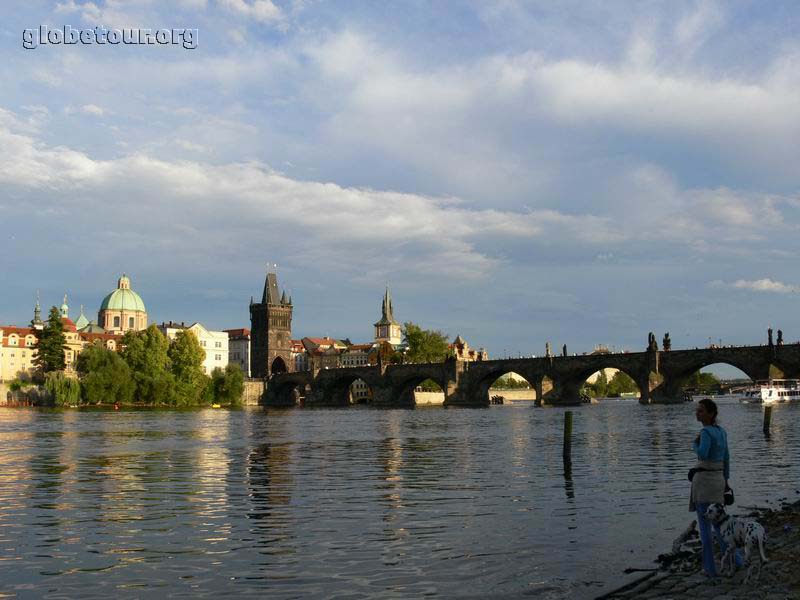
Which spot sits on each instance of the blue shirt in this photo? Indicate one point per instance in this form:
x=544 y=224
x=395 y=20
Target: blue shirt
x=714 y=446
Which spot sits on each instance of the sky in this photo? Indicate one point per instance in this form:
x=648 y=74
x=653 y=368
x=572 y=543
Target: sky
x=517 y=172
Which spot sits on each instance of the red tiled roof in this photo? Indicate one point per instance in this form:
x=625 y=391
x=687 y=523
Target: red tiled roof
x=358 y=347
x=321 y=341
x=7 y=329
x=20 y=331
x=101 y=336
x=237 y=333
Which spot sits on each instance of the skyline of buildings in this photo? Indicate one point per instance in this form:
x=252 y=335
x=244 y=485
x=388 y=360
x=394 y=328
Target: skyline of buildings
x=123 y=309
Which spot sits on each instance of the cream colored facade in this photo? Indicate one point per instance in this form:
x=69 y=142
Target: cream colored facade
x=17 y=351
x=214 y=343
x=18 y=348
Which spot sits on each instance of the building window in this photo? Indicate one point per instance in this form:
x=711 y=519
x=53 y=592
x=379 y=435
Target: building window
x=217 y=344
x=203 y=343
x=116 y=321
x=217 y=357
x=130 y=322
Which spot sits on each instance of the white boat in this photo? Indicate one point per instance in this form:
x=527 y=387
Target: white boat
x=772 y=391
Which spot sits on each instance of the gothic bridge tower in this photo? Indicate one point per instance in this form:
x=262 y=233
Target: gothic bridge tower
x=270 y=331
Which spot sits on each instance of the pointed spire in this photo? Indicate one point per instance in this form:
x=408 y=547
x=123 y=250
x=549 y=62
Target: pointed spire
x=283 y=297
x=387 y=312
x=37 y=314
x=290 y=300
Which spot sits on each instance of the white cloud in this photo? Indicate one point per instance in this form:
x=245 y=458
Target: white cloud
x=758 y=285
x=263 y=11
x=340 y=227
x=193 y=147
x=92 y=109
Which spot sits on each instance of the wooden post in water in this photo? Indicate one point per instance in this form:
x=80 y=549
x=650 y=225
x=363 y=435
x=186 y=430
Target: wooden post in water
x=767 y=418
x=568 y=434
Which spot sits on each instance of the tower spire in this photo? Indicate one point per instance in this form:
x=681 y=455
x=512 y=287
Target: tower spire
x=37 y=314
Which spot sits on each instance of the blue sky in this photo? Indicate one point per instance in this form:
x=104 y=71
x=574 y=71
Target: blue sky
x=518 y=172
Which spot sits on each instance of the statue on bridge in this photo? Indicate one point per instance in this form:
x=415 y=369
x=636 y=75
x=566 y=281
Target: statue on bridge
x=652 y=344
x=769 y=337
x=564 y=350
x=548 y=351
x=780 y=337
x=667 y=343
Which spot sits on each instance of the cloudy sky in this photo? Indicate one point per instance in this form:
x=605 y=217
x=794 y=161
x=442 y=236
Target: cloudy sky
x=578 y=172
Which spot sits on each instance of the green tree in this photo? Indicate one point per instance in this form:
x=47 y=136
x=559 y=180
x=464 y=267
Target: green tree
x=186 y=357
x=429 y=385
x=105 y=376
x=599 y=387
x=424 y=345
x=621 y=383
x=227 y=385
x=145 y=352
x=702 y=382
x=63 y=390
x=50 y=346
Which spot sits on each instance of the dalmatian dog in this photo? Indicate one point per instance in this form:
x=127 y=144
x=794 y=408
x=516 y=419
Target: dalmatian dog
x=736 y=531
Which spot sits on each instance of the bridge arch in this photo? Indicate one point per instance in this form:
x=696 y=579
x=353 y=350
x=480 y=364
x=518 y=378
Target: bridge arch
x=484 y=393
x=278 y=366
x=754 y=372
x=338 y=390
x=288 y=390
x=403 y=391
x=605 y=373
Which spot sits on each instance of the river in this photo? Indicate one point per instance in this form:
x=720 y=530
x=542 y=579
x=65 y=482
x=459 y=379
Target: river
x=359 y=503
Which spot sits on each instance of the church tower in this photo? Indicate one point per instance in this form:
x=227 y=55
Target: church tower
x=387 y=329
x=270 y=331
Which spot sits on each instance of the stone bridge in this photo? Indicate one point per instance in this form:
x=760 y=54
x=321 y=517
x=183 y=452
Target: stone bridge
x=556 y=379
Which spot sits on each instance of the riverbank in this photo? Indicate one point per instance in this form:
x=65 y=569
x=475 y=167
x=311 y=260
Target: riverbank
x=682 y=579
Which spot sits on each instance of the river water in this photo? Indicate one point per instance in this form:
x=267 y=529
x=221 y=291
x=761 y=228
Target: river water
x=359 y=503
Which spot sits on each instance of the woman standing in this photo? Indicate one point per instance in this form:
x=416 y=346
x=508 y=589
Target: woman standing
x=711 y=475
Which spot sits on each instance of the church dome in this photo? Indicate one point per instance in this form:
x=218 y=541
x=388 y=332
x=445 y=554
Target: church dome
x=123 y=298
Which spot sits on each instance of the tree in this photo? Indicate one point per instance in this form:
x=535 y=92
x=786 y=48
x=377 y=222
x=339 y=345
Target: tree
x=599 y=387
x=620 y=384
x=429 y=385
x=186 y=357
x=702 y=382
x=145 y=352
x=64 y=391
x=424 y=345
x=51 y=343
x=227 y=385
x=105 y=376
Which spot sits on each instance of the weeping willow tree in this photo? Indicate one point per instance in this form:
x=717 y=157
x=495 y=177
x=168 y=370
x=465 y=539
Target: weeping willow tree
x=63 y=390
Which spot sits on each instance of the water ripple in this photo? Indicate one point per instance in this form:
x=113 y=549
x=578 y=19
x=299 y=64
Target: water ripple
x=357 y=503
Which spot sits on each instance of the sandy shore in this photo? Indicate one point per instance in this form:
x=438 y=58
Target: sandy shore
x=780 y=576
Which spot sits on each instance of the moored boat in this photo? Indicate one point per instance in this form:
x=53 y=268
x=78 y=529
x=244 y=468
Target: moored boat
x=772 y=391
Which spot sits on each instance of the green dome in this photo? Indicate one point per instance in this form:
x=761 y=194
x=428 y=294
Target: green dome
x=123 y=298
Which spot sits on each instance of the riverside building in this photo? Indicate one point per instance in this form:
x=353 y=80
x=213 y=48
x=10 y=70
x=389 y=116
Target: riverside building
x=214 y=343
